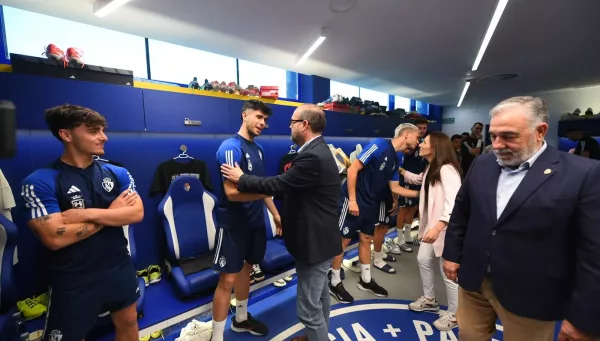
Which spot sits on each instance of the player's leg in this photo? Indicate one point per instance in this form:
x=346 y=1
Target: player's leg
x=122 y=292
x=71 y=313
x=408 y=221
x=256 y=245
x=336 y=287
x=381 y=230
x=399 y=242
x=348 y=227
x=366 y=282
x=229 y=261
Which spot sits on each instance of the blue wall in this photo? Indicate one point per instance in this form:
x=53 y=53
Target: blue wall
x=145 y=129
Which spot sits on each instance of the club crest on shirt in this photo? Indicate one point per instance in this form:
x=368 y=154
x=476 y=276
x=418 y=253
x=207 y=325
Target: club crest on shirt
x=345 y=230
x=108 y=184
x=383 y=164
x=77 y=201
x=249 y=162
x=55 y=335
x=222 y=261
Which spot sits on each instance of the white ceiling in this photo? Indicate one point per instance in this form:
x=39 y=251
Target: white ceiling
x=419 y=49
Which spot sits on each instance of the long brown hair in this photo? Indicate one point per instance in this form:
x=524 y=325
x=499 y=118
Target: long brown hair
x=443 y=154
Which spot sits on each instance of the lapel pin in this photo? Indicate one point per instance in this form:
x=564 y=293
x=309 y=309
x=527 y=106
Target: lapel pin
x=548 y=171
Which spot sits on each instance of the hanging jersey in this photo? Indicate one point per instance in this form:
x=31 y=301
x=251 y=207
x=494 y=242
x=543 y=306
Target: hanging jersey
x=380 y=166
x=249 y=156
x=170 y=170
x=60 y=187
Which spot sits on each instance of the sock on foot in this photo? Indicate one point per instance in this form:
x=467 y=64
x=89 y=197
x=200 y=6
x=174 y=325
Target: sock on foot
x=218 y=330
x=365 y=273
x=379 y=259
x=335 y=277
x=241 y=310
x=407 y=235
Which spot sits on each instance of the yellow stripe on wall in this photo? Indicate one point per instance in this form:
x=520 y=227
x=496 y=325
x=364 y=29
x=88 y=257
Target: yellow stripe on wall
x=174 y=88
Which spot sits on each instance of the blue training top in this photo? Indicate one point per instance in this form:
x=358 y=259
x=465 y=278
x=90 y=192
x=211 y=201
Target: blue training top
x=249 y=156
x=59 y=187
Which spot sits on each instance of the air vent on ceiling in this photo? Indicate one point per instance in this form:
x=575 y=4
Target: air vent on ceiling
x=494 y=78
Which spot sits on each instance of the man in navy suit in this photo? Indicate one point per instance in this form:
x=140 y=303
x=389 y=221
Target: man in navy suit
x=524 y=236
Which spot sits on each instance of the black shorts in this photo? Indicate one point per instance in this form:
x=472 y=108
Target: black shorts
x=72 y=312
x=383 y=215
x=236 y=245
x=409 y=202
x=349 y=224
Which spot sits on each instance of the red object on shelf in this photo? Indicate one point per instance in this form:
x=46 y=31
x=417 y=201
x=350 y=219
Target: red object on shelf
x=333 y=106
x=269 y=92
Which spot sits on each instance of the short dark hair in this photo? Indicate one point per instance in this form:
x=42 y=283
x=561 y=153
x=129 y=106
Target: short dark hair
x=478 y=124
x=254 y=104
x=69 y=116
x=456 y=136
x=420 y=120
x=466 y=133
x=315 y=117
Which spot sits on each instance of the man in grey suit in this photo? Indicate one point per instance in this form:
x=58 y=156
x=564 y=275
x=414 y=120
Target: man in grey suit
x=310 y=214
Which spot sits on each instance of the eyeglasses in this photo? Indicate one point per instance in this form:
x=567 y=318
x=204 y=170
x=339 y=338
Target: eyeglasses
x=295 y=121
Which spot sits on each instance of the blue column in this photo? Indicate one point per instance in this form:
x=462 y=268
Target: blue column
x=392 y=104
x=4 y=58
x=421 y=107
x=313 y=89
x=292 y=85
x=413 y=105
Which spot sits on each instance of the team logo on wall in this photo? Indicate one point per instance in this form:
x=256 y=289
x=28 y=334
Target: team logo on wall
x=77 y=201
x=249 y=162
x=222 y=261
x=55 y=335
x=186 y=187
x=108 y=184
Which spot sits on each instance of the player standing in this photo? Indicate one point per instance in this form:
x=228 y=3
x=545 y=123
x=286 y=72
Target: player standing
x=369 y=176
x=77 y=208
x=414 y=163
x=242 y=238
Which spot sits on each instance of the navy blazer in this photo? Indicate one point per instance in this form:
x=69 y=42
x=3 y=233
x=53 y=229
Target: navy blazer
x=544 y=249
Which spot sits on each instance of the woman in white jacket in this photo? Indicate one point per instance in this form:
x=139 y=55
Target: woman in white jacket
x=439 y=184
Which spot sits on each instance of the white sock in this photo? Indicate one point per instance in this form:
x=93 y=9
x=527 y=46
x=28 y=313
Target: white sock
x=379 y=259
x=365 y=272
x=407 y=235
x=218 y=330
x=241 y=310
x=335 y=277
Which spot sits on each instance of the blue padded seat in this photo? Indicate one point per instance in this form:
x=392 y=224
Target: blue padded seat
x=188 y=212
x=8 y=283
x=276 y=255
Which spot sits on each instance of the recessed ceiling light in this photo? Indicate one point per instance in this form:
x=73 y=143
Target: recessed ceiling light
x=342 y=6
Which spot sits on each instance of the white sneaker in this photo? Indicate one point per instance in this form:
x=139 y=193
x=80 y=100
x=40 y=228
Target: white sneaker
x=280 y=283
x=424 y=304
x=447 y=321
x=347 y=264
x=396 y=249
x=196 y=331
x=288 y=278
x=406 y=248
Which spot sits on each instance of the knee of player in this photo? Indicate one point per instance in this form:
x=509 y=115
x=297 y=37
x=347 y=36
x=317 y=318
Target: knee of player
x=226 y=281
x=127 y=320
x=365 y=238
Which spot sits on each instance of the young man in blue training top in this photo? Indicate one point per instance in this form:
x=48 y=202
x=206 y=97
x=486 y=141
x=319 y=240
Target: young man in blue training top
x=416 y=164
x=242 y=236
x=374 y=170
x=77 y=208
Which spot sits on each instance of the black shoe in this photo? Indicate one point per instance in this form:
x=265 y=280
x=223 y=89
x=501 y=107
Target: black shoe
x=330 y=274
x=373 y=287
x=251 y=325
x=340 y=293
x=257 y=274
